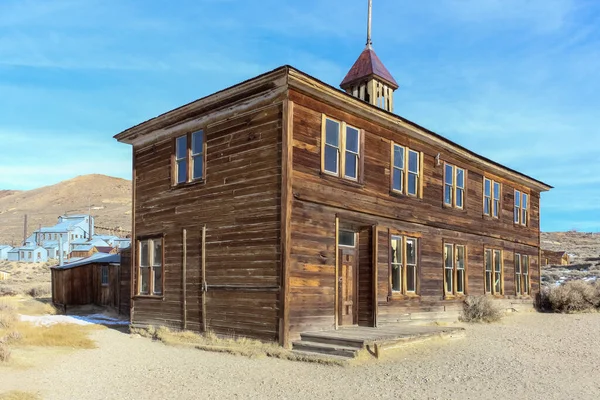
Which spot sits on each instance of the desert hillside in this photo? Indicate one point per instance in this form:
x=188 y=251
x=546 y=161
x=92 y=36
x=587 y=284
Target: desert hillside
x=584 y=249
x=108 y=198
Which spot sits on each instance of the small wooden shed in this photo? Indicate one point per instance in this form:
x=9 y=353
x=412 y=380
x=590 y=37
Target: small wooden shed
x=4 y=275
x=555 y=257
x=94 y=280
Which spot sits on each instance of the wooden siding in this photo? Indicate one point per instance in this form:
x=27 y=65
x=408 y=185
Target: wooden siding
x=318 y=199
x=240 y=204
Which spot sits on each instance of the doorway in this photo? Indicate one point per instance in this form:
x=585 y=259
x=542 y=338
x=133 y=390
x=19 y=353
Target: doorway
x=348 y=278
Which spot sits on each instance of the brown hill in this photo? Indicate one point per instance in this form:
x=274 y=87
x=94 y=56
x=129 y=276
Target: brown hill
x=107 y=198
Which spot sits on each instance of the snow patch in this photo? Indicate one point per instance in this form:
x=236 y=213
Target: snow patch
x=93 y=319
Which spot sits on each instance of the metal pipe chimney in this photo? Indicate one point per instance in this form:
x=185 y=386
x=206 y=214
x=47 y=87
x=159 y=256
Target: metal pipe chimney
x=60 y=250
x=25 y=229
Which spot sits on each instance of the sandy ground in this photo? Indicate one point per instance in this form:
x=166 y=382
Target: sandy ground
x=528 y=356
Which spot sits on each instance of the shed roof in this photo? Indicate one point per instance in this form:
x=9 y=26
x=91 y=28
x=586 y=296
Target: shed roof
x=97 y=258
x=5 y=246
x=83 y=247
x=104 y=249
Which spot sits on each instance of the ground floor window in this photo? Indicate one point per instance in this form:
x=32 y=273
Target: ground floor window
x=494 y=275
x=521 y=274
x=150 y=266
x=104 y=275
x=454 y=269
x=403 y=264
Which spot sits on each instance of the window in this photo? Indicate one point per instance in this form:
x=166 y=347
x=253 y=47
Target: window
x=406 y=170
x=491 y=198
x=521 y=274
x=29 y=255
x=150 y=263
x=346 y=238
x=104 y=275
x=521 y=213
x=403 y=264
x=454 y=269
x=494 y=275
x=189 y=159
x=341 y=149
x=454 y=186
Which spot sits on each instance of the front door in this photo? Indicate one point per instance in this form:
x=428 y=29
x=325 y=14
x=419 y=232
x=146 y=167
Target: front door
x=347 y=285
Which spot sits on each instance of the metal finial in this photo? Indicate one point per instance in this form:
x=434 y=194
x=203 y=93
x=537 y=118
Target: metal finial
x=369 y=42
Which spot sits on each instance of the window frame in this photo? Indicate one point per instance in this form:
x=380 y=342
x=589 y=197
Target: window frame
x=403 y=292
x=454 y=292
x=521 y=210
x=406 y=172
x=495 y=204
x=521 y=277
x=493 y=291
x=342 y=150
x=189 y=157
x=454 y=187
x=151 y=266
x=104 y=274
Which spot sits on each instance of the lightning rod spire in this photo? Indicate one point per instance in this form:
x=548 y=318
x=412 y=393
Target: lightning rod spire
x=369 y=42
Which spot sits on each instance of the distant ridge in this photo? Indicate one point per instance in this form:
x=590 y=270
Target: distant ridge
x=108 y=198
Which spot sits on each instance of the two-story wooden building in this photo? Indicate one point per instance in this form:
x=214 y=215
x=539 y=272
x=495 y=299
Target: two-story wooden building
x=283 y=205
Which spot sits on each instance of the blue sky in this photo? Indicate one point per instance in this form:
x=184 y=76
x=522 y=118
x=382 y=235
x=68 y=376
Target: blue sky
x=514 y=80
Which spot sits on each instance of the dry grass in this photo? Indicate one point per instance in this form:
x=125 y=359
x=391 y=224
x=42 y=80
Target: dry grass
x=480 y=309
x=19 y=395
x=573 y=296
x=232 y=345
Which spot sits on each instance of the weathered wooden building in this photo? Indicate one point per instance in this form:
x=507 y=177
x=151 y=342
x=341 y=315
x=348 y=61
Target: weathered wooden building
x=283 y=205
x=550 y=257
x=99 y=280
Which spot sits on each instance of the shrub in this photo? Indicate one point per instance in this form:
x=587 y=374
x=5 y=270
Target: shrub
x=8 y=290
x=8 y=316
x=39 y=290
x=4 y=352
x=480 y=309
x=573 y=296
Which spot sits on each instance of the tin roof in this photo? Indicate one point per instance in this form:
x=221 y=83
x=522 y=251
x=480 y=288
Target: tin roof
x=368 y=64
x=99 y=258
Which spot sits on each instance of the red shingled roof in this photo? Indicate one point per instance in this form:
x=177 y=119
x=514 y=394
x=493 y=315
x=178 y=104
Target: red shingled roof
x=369 y=64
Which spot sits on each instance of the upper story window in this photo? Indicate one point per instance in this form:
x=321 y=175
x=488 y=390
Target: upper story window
x=403 y=264
x=454 y=186
x=407 y=167
x=341 y=149
x=149 y=267
x=491 y=198
x=521 y=214
x=189 y=158
x=494 y=272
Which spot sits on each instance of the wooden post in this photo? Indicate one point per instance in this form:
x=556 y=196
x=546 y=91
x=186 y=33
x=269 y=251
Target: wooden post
x=184 y=279
x=286 y=220
x=337 y=272
x=204 y=285
x=375 y=250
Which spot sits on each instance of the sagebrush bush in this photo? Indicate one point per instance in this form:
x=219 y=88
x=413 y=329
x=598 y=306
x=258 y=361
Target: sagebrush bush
x=480 y=309
x=573 y=296
x=8 y=290
x=8 y=316
x=4 y=352
x=39 y=290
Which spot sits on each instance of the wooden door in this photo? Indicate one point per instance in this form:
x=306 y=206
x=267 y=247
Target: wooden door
x=347 y=286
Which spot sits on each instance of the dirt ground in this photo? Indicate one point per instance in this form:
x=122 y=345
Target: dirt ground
x=527 y=356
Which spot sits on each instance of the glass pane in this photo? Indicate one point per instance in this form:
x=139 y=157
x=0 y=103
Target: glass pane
x=157 y=280
x=182 y=171
x=413 y=161
x=449 y=288
x=459 y=197
x=486 y=206
x=518 y=263
x=524 y=200
x=331 y=159
x=488 y=282
x=198 y=167
x=517 y=198
x=332 y=133
x=412 y=183
x=449 y=178
x=144 y=257
x=411 y=278
x=351 y=165
x=497 y=260
x=496 y=207
x=487 y=187
x=396 y=277
x=398 y=156
x=518 y=284
x=496 y=190
x=157 y=259
x=460 y=281
x=526 y=264
x=460 y=257
x=181 y=147
x=448 y=194
x=516 y=215
x=346 y=238
x=411 y=251
x=398 y=179
x=197 y=142
x=448 y=256
x=497 y=284
x=396 y=244
x=460 y=178
x=523 y=216
x=144 y=280
x=352 y=139
x=488 y=260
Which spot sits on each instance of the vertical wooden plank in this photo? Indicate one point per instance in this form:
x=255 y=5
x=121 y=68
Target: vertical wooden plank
x=287 y=143
x=184 y=278
x=133 y=277
x=374 y=254
x=421 y=174
x=204 y=284
x=337 y=272
x=323 y=124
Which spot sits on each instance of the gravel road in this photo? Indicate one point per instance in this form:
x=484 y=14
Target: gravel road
x=527 y=356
